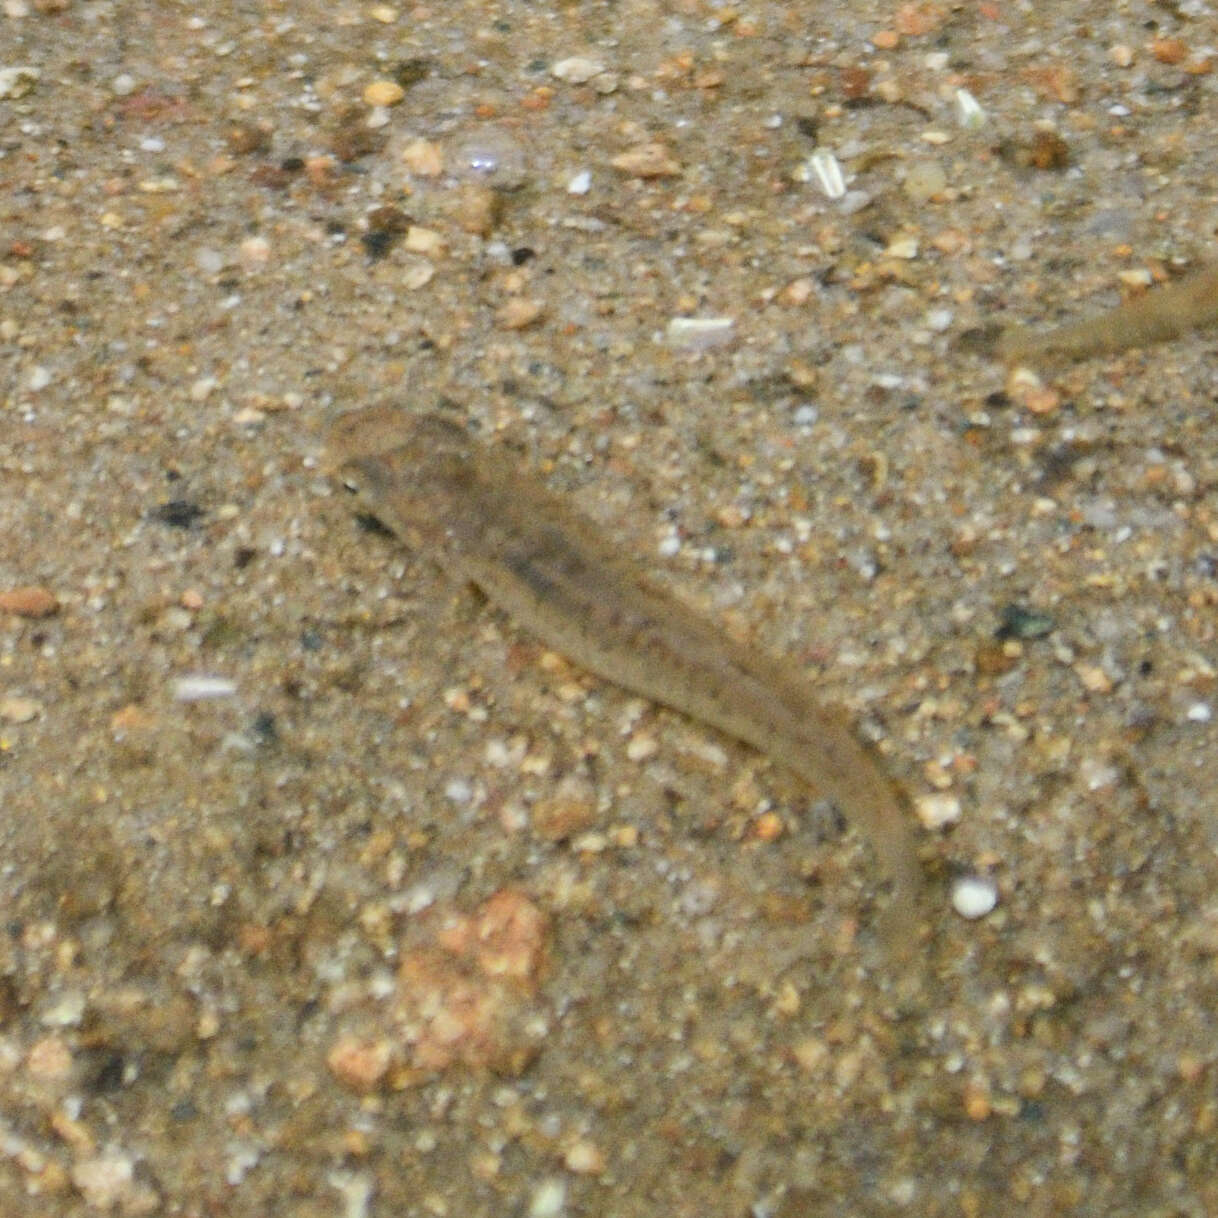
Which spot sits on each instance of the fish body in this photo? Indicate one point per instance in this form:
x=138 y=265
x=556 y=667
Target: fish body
x=1157 y=316
x=556 y=574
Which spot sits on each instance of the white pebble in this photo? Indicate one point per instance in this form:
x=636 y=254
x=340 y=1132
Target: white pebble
x=40 y=378
x=67 y=1012
x=202 y=389
x=209 y=261
x=939 y=810
x=356 y=1190
x=104 y=1180
x=17 y=81
x=549 y=1199
x=458 y=790
x=903 y=246
x=123 y=84
x=577 y=70
x=1199 y=712
x=974 y=896
x=580 y=184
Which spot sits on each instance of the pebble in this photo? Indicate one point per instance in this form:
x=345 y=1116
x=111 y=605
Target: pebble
x=854 y=201
x=384 y=93
x=468 y=996
x=417 y=276
x=938 y=811
x=15 y=709
x=359 y=1064
x=30 y=601
x=1094 y=679
x=974 y=896
x=585 y=1159
x=977 y=1102
x=49 y=1059
x=641 y=746
x=66 y=1012
x=245 y=138
x=549 y=1199
x=652 y=160
x=1169 y=50
x=517 y=313
x=580 y=184
x=355 y=1189
x=209 y=261
x=577 y=70
x=203 y=388
x=1042 y=150
x=255 y=251
x=17 y=81
x=479 y=209
x=423 y=158
x=107 y=1182
x=571 y=809
x=924 y=180
x=458 y=790
x=426 y=241
x=40 y=378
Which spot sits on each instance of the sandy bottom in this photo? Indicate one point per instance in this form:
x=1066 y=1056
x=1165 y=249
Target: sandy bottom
x=327 y=888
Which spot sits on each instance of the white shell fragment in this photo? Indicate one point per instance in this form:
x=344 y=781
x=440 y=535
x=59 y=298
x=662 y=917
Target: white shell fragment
x=199 y=688
x=700 y=333
x=827 y=171
x=974 y=896
x=969 y=113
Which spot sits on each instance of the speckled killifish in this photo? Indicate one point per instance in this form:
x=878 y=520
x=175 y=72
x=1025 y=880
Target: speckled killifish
x=484 y=518
x=1158 y=316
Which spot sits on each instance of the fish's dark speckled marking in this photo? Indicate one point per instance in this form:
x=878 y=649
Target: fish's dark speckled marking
x=552 y=569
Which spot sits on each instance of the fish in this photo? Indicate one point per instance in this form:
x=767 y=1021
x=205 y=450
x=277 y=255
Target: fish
x=489 y=522
x=1160 y=315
